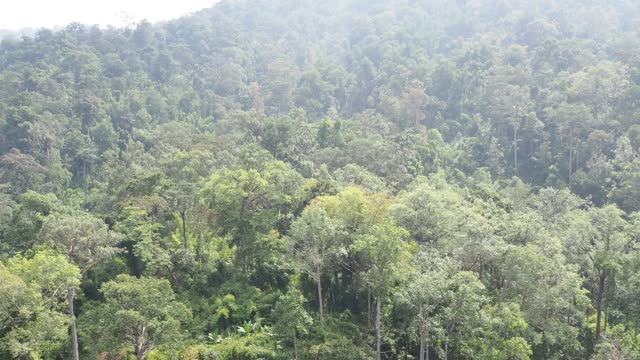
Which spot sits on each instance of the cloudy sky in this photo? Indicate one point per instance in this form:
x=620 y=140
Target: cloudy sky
x=18 y=14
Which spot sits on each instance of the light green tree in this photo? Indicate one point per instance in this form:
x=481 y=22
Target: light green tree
x=86 y=241
x=386 y=253
x=597 y=241
x=422 y=295
x=291 y=320
x=138 y=312
x=33 y=303
x=314 y=245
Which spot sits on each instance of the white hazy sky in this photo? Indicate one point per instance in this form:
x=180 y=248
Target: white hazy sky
x=17 y=14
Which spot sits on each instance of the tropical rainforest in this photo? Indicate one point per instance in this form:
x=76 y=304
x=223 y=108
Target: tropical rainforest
x=337 y=179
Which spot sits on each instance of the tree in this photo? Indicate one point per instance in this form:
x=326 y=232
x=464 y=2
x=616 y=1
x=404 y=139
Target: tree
x=139 y=312
x=413 y=102
x=291 y=319
x=570 y=119
x=314 y=245
x=247 y=203
x=7 y=206
x=241 y=199
x=599 y=87
x=86 y=241
x=509 y=104
x=352 y=174
x=385 y=251
x=597 y=237
x=550 y=294
x=459 y=315
x=32 y=304
x=501 y=335
x=20 y=170
x=626 y=192
x=185 y=171
x=430 y=210
x=144 y=242
x=422 y=295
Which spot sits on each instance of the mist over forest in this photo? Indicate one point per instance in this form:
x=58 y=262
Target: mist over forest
x=336 y=180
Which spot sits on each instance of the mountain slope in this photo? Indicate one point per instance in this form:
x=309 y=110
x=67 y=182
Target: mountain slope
x=348 y=178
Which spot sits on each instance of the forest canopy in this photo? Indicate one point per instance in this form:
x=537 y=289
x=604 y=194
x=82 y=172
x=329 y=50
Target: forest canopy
x=339 y=179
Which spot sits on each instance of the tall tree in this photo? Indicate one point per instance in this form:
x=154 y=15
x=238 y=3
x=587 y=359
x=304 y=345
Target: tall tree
x=315 y=240
x=242 y=201
x=571 y=119
x=139 y=312
x=86 y=241
x=385 y=249
x=422 y=295
x=597 y=237
x=33 y=322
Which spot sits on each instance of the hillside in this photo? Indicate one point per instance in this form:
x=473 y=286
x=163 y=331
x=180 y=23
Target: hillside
x=340 y=179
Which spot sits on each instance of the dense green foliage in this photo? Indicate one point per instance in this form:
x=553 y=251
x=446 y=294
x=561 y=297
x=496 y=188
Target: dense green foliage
x=340 y=179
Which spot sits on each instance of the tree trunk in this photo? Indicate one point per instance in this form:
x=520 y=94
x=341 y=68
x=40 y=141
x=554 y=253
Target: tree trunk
x=84 y=174
x=378 y=324
x=368 y=309
x=424 y=328
x=599 y=300
x=74 y=331
x=183 y=216
x=406 y=348
x=570 y=156
x=515 y=148
x=421 y=356
x=139 y=344
x=604 y=317
x=320 y=304
x=446 y=350
x=332 y=293
x=295 y=347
